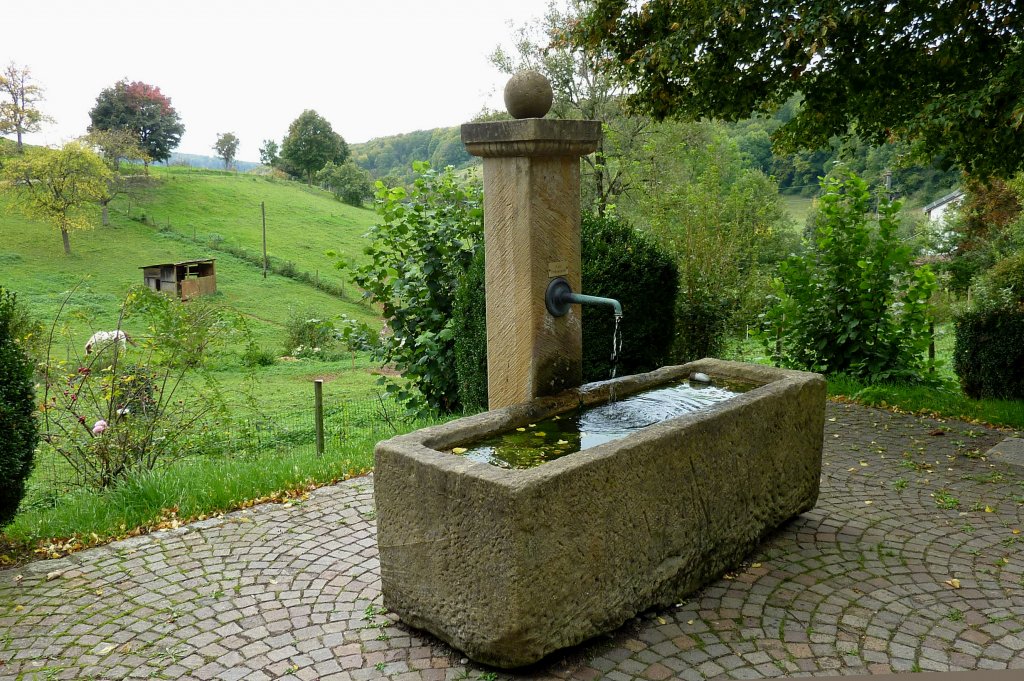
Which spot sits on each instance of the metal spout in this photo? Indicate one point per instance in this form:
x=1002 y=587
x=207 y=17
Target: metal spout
x=559 y=297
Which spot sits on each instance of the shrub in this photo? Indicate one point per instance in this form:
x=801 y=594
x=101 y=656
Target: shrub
x=988 y=352
x=308 y=335
x=854 y=302
x=122 y=410
x=701 y=323
x=470 y=328
x=17 y=409
x=256 y=356
x=421 y=248
x=622 y=263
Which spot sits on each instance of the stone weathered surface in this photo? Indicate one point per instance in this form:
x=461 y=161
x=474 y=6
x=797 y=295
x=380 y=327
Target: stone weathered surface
x=1010 y=450
x=528 y=95
x=510 y=565
x=855 y=586
x=531 y=235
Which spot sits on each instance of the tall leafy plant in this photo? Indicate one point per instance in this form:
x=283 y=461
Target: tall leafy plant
x=421 y=248
x=853 y=302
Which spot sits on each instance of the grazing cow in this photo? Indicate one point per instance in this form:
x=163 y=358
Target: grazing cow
x=102 y=339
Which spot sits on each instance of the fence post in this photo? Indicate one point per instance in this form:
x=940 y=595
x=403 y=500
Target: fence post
x=263 y=212
x=318 y=393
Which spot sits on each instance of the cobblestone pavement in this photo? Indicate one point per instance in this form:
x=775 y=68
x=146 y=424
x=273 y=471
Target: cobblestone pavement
x=912 y=560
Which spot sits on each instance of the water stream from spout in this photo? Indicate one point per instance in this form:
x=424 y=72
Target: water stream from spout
x=616 y=349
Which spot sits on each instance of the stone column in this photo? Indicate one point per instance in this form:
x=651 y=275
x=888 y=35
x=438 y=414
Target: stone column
x=531 y=235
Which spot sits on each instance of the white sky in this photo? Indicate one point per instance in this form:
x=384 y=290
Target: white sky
x=370 y=67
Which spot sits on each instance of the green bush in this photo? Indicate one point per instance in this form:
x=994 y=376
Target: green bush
x=309 y=336
x=988 y=353
x=422 y=247
x=470 y=327
x=854 y=303
x=622 y=263
x=701 y=324
x=17 y=408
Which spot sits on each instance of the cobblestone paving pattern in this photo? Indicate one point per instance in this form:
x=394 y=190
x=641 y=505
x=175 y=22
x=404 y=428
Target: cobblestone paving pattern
x=912 y=560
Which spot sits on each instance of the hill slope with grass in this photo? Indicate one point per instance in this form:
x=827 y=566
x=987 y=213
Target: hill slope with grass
x=221 y=209
x=105 y=261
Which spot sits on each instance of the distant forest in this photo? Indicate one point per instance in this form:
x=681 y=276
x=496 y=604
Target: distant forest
x=797 y=173
x=212 y=162
x=393 y=156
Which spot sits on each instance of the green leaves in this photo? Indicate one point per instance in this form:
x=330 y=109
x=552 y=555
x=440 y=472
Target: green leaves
x=854 y=302
x=946 y=75
x=422 y=247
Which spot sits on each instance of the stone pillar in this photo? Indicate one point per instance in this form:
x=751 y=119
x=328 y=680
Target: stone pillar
x=531 y=235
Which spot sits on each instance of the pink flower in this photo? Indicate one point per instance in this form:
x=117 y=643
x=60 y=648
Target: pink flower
x=99 y=427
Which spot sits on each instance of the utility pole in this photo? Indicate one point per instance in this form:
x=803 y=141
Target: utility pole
x=263 y=211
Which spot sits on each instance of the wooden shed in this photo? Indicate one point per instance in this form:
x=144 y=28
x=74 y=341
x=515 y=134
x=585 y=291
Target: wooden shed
x=183 y=280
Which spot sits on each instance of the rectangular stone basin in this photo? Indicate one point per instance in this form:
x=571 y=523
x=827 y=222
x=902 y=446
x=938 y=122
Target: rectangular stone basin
x=511 y=565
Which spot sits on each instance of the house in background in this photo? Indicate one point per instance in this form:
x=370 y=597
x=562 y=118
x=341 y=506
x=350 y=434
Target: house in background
x=183 y=280
x=936 y=210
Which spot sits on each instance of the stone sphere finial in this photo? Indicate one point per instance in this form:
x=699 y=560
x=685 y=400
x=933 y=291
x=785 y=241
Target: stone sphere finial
x=528 y=95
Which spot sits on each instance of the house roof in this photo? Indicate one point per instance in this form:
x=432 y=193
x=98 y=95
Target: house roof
x=948 y=198
x=182 y=262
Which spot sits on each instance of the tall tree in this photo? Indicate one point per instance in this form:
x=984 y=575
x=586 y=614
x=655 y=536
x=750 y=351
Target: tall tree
x=144 y=110
x=582 y=88
x=60 y=187
x=115 y=146
x=944 y=75
x=269 y=153
x=20 y=114
x=226 y=146
x=311 y=143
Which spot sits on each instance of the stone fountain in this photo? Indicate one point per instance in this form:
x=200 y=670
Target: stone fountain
x=511 y=565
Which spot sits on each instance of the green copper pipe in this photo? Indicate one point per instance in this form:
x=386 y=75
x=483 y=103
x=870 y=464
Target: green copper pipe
x=559 y=297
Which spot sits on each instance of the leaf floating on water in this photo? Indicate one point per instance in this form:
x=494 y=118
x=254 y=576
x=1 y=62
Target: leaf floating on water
x=955 y=583
x=458 y=450
x=533 y=425
x=540 y=433
x=565 y=442
x=521 y=430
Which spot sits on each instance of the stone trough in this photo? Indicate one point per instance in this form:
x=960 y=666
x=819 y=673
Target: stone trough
x=511 y=565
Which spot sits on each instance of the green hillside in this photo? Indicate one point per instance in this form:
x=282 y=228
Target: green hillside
x=105 y=262
x=302 y=222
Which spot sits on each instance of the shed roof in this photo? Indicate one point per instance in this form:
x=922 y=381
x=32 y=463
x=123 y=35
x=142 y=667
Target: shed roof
x=182 y=262
x=948 y=198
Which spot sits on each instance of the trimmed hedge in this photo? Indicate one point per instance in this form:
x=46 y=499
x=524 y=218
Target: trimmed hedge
x=988 y=354
x=17 y=413
x=622 y=263
x=470 y=327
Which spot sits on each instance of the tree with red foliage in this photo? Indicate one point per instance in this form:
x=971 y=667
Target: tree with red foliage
x=142 y=109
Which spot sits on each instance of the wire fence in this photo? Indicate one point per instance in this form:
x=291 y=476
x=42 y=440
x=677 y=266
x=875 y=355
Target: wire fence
x=350 y=424
x=348 y=420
